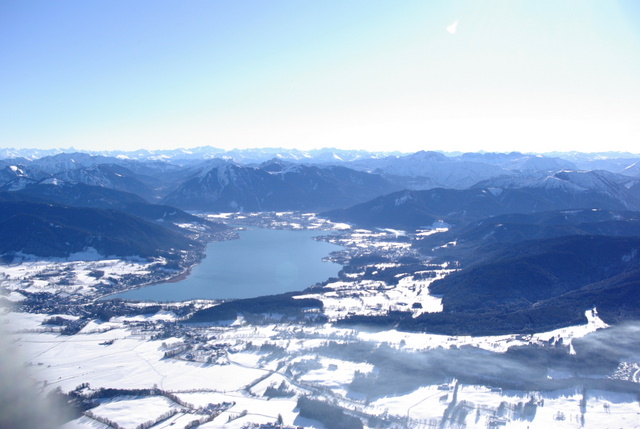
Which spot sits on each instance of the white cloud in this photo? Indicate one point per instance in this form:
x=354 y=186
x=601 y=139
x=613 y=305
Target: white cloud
x=453 y=27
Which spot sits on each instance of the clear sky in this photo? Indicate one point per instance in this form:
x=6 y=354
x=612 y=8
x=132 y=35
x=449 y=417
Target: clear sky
x=495 y=75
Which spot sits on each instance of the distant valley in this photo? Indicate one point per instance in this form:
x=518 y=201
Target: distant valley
x=492 y=206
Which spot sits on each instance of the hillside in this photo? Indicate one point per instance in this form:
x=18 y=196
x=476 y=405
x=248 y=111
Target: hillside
x=416 y=209
x=476 y=238
x=82 y=195
x=524 y=193
x=48 y=230
x=528 y=286
x=521 y=275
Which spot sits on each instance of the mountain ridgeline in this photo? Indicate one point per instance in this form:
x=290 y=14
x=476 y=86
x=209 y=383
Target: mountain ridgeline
x=229 y=187
x=503 y=195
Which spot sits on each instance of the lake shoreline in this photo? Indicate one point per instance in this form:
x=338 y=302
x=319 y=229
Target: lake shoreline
x=291 y=260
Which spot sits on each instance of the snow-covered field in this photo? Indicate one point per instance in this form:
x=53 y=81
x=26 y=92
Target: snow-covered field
x=134 y=361
x=368 y=297
x=68 y=276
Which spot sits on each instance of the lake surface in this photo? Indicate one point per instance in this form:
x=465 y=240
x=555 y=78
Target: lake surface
x=262 y=262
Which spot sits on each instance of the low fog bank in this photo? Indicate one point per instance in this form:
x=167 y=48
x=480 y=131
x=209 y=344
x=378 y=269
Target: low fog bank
x=589 y=361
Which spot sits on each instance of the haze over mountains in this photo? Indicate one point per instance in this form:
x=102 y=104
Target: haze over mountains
x=146 y=171
x=428 y=186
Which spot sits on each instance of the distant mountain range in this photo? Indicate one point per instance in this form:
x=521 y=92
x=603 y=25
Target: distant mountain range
x=227 y=186
x=158 y=175
x=258 y=155
x=181 y=155
x=425 y=170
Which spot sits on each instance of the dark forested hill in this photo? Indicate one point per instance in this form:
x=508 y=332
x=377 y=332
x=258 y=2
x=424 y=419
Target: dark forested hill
x=477 y=238
x=83 y=195
x=49 y=230
x=531 y=286
x=520 y=275
x=415 y=209
x=70 y=194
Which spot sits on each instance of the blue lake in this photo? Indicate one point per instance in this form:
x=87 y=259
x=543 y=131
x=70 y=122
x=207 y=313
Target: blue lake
x=262 y=262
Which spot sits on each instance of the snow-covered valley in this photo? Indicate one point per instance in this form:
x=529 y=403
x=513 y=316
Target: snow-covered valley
x=154 y=369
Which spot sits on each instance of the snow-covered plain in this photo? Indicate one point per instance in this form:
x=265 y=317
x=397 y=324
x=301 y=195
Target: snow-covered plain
x=132 y=360
x=122 y=354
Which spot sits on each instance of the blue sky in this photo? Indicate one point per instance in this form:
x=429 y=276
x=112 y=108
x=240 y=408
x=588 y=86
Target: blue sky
x=495 y=75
